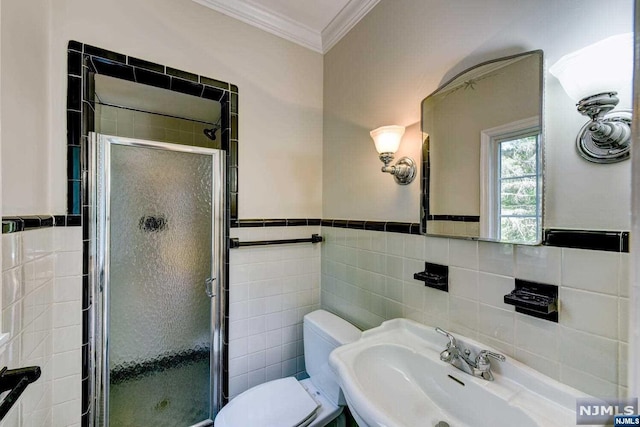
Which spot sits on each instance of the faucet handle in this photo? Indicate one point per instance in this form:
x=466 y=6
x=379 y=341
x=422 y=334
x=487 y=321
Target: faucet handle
x=452 y=339
x=493 y=355
x=482 y=358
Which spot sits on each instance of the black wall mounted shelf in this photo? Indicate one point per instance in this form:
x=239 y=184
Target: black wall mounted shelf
x=535 y=299
x=435 y=276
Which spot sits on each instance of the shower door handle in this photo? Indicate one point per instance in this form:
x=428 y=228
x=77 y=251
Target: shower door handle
x=208 y=283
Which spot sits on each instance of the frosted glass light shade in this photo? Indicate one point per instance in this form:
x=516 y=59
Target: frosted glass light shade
x=604 y=66
x=387 y=138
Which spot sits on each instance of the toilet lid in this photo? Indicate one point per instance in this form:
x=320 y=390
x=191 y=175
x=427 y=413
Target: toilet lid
x=278 y=403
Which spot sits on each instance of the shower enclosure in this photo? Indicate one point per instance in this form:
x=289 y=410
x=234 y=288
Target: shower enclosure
x=158 y=240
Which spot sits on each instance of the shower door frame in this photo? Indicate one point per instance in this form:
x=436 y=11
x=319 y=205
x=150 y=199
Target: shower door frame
x=99 y=145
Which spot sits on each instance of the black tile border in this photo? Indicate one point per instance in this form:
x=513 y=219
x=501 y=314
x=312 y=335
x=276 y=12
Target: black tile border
x=454 y=218
x=16 y=224
x=275 y=222
x=597 y=240
x=355 y=224
x=386 y=226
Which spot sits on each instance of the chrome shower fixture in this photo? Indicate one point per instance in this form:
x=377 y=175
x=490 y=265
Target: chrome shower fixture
x=211 y=133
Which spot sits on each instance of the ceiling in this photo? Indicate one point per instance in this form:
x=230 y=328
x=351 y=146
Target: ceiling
x=314 y=24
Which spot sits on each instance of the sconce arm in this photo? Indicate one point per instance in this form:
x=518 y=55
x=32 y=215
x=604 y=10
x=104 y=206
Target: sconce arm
x=404 y=171
x=607 y=137
x=611 y=133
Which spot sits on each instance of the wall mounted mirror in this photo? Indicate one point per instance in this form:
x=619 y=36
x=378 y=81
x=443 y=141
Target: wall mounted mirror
x=482 y=153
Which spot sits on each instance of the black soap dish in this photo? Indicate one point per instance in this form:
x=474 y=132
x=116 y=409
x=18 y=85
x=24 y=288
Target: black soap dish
x=435 y=276
x=535 y=299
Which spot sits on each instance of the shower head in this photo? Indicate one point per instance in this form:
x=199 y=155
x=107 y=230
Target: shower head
x=211 y=133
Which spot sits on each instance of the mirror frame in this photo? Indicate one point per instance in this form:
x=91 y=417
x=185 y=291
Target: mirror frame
x=425 y=169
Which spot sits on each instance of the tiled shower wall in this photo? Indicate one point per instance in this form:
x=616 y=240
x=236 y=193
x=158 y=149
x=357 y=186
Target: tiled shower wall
x=141 y=125
x=271 y=289
x=367 y=277
x=41 y=309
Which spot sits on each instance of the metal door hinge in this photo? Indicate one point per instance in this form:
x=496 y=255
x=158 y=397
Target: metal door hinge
x=209 y=287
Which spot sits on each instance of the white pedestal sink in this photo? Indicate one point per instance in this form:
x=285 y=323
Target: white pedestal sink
x=393 y=377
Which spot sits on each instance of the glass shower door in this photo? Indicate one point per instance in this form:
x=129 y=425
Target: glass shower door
x=161 y=215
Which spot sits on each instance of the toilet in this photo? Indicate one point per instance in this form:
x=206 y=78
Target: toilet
x=287 y=402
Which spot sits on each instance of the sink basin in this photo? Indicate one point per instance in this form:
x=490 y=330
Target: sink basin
x=393 y=376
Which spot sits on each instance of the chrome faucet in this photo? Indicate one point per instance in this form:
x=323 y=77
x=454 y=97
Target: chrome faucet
x=461 y=358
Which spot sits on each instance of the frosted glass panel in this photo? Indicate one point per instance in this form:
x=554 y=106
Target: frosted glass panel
x=160 y=257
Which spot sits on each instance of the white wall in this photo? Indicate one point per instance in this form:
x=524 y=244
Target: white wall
x=25 y=107
x=402 y=50
x=280 y=86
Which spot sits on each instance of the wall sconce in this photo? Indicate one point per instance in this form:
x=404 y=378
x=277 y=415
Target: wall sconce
x=591 y=76
x=387 y=141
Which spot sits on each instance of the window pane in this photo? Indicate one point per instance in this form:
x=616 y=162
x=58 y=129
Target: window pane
x=518 y=196
x=518 y=157
x=518 y=229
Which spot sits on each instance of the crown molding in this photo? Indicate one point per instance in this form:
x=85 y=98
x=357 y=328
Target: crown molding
x=289 y=29
x=348 y=17
x=268 y=21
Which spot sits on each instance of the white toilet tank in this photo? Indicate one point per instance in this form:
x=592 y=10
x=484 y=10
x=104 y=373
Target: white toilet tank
x=323 y=332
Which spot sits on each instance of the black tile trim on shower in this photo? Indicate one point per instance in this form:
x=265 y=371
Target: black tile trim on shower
x=101 y=61
x=81 y=121
x=596 y=240
x=15 y=224
x=455 y=218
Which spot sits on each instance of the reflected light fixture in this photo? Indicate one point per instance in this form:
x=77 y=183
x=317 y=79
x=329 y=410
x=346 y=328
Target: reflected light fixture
x=592 y=77
x=387 y=141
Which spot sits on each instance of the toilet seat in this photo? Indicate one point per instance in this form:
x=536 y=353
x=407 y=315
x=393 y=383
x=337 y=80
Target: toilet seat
x=278 y=403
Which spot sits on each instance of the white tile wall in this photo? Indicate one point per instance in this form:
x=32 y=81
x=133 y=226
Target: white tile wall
x=138 y=124
x=271 y=289
x=33 y=288
x=67 y=327
x=366 y=278
x=586 y=349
